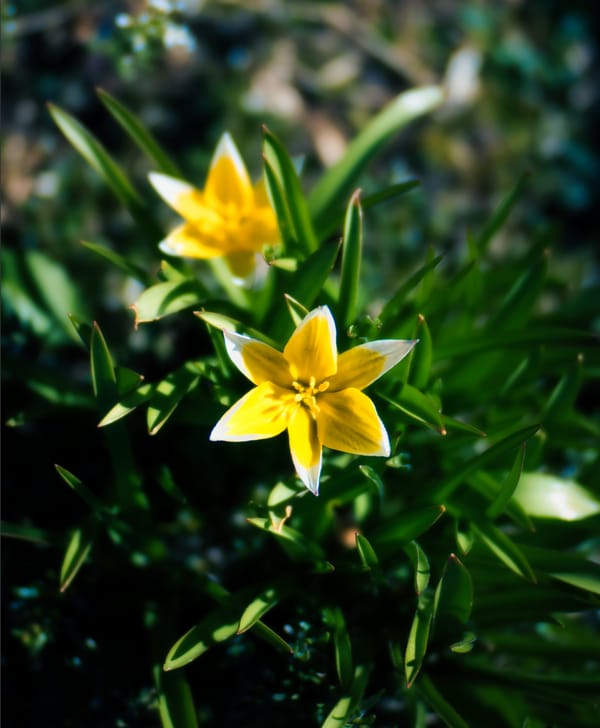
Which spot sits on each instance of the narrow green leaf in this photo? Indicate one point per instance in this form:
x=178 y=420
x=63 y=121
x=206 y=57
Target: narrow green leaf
x=394 y=306
x=175 y=701
x=136 y=131
x=263 y=603
x=25 y=533
x=218 y=626
x=166 y=298
x=548 y=496
x=570 y=568
x=564 y=393
x=338 y=180
x=454 y=592
x=408 y=525
x=296 y=309
x=418 y=638
x=485 y=458
x=439 y=704
x=278 y=203
x=268 y=635
x=515 y=309
x=167 y=394
x=347 y=704
x=334 y=617
x=420 y=564
x=82 y=490
x=295 y=543
x=304 y=285
x=284 y=169
x=373 y=476
x=127 y=404
x=500 y=214
x=83 y=329
x=96 y=156
x=119 y=261
x=104 y=378
x=336 y=222
x=504 y=549
x=420 y=365
x=79 y=547
x=351 y=259
x=417 y=406
x=366 y=552
x=464 y=537
x=465 y=645
x=500 y=502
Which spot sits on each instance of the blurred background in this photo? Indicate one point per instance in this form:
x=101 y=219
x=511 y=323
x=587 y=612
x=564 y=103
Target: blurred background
x=522 y=94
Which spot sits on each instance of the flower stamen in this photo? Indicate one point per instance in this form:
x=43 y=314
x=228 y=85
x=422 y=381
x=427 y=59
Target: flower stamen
x=307 y=394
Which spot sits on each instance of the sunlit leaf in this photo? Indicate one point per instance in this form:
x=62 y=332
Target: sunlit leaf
x=418 y=638
x=168 y=393
x=420 y=564
x=548 y=496
x=175 y=701
x=166 y=298
x=78 y=549
x=366 y=552
x=259 y=606
x=351 y=261
x=348 y=703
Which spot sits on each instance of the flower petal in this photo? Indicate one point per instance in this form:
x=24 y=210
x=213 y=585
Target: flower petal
x=364 y=364
x=187 y=241
x=258 y=361
x=228 y=182
x=348 y=421
x=257 y=415
x=305 y=447
x=311 y=350
x=179 y=195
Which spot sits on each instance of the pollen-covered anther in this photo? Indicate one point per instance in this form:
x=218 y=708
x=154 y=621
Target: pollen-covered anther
x=307 y=394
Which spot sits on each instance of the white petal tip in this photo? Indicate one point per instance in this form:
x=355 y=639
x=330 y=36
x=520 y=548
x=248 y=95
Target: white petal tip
x=169 y=188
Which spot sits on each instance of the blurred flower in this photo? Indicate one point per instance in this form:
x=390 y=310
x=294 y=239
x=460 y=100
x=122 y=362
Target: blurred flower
x=229 y=218
x=312 y=392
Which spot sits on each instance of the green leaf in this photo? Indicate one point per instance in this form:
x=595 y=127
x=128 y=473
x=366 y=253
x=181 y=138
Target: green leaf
x=119 y=261
x=263 y=603
x=366 y=552
x=166 y=298
x=136 y=131
x=334 y=617
x=96 y=156
x=454 y=593
x=416 y=405
x=485 y=458
x=564 y=393
x=351 y=259
x=127 y=404
x=279 y=205
x=408 y=525
x=338 y=180
x=336 y=221
x=78 y=548
x=82 y=490
x=567 y=567
x=438 y=703
x=394 y=306
x=25 y=533
x=515 y=309
x=420 y=364
x=175 y=701
x=168 y=393
x=304 y=285
x=104 y=378
x=548 y=496
x=226 y=323
x=348 y=703
x=218 y=626
x=500 y=214
x=420 y=563
x=296 y=309
x=418 y=638
x=277 y=157
x=500 y=502
x=504 y=549
x=294 y=542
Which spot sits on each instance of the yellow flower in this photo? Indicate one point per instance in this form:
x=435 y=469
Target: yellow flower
x=312 y=392
x=229 y=217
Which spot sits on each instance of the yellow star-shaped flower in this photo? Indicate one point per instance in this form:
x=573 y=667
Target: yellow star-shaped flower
x=312 y=392
x=229 y=218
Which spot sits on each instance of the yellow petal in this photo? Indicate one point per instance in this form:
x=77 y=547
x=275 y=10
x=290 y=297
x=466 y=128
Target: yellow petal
x=257 y=415
x=311 y=350
x=178 y=194
x=305 y=447
x=228 y=182
x=348 y=421
x=188 y=242
x=257 y=361
x=364 y=364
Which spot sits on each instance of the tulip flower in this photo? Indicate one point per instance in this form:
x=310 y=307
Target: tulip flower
x=229 y=218
x=312 y=392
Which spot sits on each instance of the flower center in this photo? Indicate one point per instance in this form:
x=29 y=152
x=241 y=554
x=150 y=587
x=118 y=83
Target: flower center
x=307 y=394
